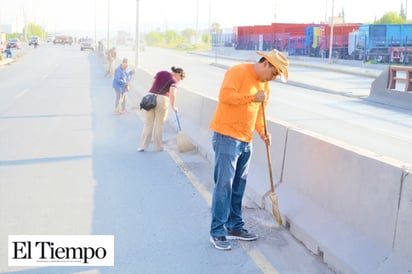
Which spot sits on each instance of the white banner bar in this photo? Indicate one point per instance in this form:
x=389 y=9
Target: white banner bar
x=61 y=250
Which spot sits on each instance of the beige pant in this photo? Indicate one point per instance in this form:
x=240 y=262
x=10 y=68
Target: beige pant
x=110 y=68
x=154 y=123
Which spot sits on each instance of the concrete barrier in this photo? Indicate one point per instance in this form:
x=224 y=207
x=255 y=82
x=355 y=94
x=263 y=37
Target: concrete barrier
x=348 y=205
x=333 y=176
x=403 y=239
x=381 y=93
x=395 y=263
x=341 y=202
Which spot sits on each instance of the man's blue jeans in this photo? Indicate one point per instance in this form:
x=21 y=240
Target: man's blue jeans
x=232 y=158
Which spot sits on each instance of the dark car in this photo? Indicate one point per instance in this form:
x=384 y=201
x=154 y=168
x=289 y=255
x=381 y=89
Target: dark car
x=58 y=40
x=34 y=40
x=13 y=43
x=87 y=43
x=63 y=40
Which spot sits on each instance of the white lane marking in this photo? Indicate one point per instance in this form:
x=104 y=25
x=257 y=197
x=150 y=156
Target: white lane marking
x=261 y=261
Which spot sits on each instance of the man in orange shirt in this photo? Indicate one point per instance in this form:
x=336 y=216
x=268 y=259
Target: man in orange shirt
x=239 y=112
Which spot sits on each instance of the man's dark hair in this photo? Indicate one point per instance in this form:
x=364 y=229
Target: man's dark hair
x=263 y=59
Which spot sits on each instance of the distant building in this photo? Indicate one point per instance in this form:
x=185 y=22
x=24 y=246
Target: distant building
x=336 y=20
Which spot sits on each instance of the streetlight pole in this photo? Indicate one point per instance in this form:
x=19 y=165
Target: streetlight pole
x=197 y=21
x=210 y=25
x=136 y=56
x=108 y=24
x=95 y=16
x=331 y=35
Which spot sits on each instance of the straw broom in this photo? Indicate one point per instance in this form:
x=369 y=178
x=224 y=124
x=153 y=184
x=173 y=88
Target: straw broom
x=272 y=194
x=183 y=143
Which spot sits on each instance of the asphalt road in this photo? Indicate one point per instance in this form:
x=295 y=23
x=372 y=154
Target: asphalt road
x=68 y=166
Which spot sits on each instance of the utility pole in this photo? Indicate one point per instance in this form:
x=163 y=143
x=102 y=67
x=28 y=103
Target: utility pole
x=95 y=11
x=136 y=60
x=331 y=35
x=210 y=25
x=197 y=22
x=108 y=24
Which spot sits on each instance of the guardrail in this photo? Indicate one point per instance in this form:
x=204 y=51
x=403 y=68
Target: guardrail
x=405 y=76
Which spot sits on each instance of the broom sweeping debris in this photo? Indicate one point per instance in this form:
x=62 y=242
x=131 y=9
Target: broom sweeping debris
x=272 y=195
x=183 y=143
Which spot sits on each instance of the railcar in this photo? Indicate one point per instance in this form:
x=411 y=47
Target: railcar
x=389 y=43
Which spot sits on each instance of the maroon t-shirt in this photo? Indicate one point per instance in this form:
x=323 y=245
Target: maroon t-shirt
x=163 y=81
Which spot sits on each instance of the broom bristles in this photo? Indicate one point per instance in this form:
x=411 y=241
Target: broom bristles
x=183 y=143
x=275 y=207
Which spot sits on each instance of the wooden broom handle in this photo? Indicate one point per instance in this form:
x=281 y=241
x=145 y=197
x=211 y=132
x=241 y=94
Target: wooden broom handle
x=272 y=187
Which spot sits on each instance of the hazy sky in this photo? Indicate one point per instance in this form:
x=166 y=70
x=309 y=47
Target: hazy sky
x=86 y=15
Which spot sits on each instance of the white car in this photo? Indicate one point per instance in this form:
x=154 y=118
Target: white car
x=87 y=43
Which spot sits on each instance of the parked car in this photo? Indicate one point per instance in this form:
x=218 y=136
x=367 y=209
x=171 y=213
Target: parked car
x=33 y=40
x=13 y=43
x=87 y=43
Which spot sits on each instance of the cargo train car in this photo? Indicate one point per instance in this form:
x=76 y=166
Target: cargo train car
x=276 y=35
x=318 y=39
x=386 y=43
x=389 y=43
x=296 y=39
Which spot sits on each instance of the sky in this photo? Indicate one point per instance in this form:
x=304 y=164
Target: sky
x=85 y=16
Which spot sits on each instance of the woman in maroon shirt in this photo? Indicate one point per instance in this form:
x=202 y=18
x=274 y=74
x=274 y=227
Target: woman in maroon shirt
x=165 y=87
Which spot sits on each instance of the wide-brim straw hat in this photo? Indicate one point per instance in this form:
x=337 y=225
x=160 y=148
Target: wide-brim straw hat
x=279 y=61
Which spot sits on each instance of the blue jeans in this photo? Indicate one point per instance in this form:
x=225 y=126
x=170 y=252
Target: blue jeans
x=119 y=94
x=232 y=159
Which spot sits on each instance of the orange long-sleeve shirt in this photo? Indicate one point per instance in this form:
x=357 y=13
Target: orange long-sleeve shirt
x=237 y=114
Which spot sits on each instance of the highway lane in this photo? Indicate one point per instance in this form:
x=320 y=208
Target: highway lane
x=329 y=103
x=46 y=175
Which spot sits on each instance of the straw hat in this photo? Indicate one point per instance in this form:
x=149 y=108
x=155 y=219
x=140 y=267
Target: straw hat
x=279 y=61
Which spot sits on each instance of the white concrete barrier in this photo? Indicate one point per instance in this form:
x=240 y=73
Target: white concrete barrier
x=403 y=237
x=340 y=201
x=400 y=260
x=334 y=176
